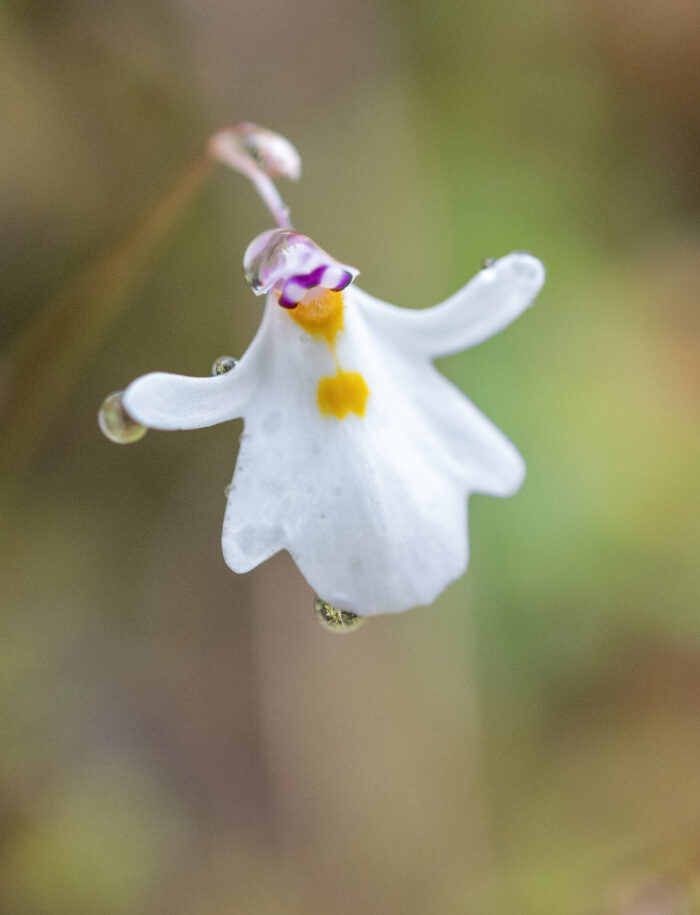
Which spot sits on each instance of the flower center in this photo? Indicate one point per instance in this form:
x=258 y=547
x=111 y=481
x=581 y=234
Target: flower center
x=320 y=313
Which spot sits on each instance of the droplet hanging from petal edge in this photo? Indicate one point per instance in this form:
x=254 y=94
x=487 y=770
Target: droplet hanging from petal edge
x=336 y=620
x=115 y=422
x=223 y=364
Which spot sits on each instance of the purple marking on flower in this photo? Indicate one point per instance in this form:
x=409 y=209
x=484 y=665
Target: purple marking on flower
x=347 y=279
x=294 y=288
x=285 y=260
x=287 y=302
x=307 y=280
x=317 y=277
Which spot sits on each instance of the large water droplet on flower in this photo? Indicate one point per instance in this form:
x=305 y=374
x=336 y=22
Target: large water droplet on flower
x=223 y=364
x=336 y=620
x=268 y=255
x=116 y=423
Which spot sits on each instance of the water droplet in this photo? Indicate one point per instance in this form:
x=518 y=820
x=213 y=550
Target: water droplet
x=227 y=490
x=336 y=620
x=223 y=364
x=116 y=423
x=487 y=262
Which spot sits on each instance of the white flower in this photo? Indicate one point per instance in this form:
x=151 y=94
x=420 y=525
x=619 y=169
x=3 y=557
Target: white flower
x=358 y=456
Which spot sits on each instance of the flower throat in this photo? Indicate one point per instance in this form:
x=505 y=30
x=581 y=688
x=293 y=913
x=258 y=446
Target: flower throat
x=345 y=392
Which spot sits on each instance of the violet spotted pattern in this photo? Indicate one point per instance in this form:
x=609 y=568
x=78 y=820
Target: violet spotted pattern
x=282 y=257
x=358 y=456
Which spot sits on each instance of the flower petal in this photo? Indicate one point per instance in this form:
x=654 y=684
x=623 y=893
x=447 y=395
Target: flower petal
x=372 y=523
x=494 y=298
x=372 y=507
x=163 y=401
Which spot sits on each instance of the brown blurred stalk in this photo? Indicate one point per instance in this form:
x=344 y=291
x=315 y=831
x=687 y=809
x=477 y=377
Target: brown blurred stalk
x=47 y=359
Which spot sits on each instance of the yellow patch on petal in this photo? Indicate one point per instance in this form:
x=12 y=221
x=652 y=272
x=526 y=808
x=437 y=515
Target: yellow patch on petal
x=342 y=393
x=320 y=315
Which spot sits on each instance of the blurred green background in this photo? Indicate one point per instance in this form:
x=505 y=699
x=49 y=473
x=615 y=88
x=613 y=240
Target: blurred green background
x=178 y=739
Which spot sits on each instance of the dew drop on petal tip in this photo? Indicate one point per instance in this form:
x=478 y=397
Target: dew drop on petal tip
x=336 y=620
x=223 y=364
x=487 y=262
x=115 y=422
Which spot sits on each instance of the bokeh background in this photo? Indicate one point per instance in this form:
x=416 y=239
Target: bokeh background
x=178 y=739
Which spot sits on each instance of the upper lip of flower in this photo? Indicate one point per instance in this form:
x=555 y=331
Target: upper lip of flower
x=294 y=264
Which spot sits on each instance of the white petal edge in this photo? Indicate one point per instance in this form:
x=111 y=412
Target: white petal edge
x=170 y=402
x=489 y=302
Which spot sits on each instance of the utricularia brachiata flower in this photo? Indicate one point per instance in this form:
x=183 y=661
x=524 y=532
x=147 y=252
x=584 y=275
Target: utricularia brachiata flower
x=358 y=456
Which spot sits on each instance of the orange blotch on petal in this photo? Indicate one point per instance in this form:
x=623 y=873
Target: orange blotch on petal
x=320 y=313
x=342 y=393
